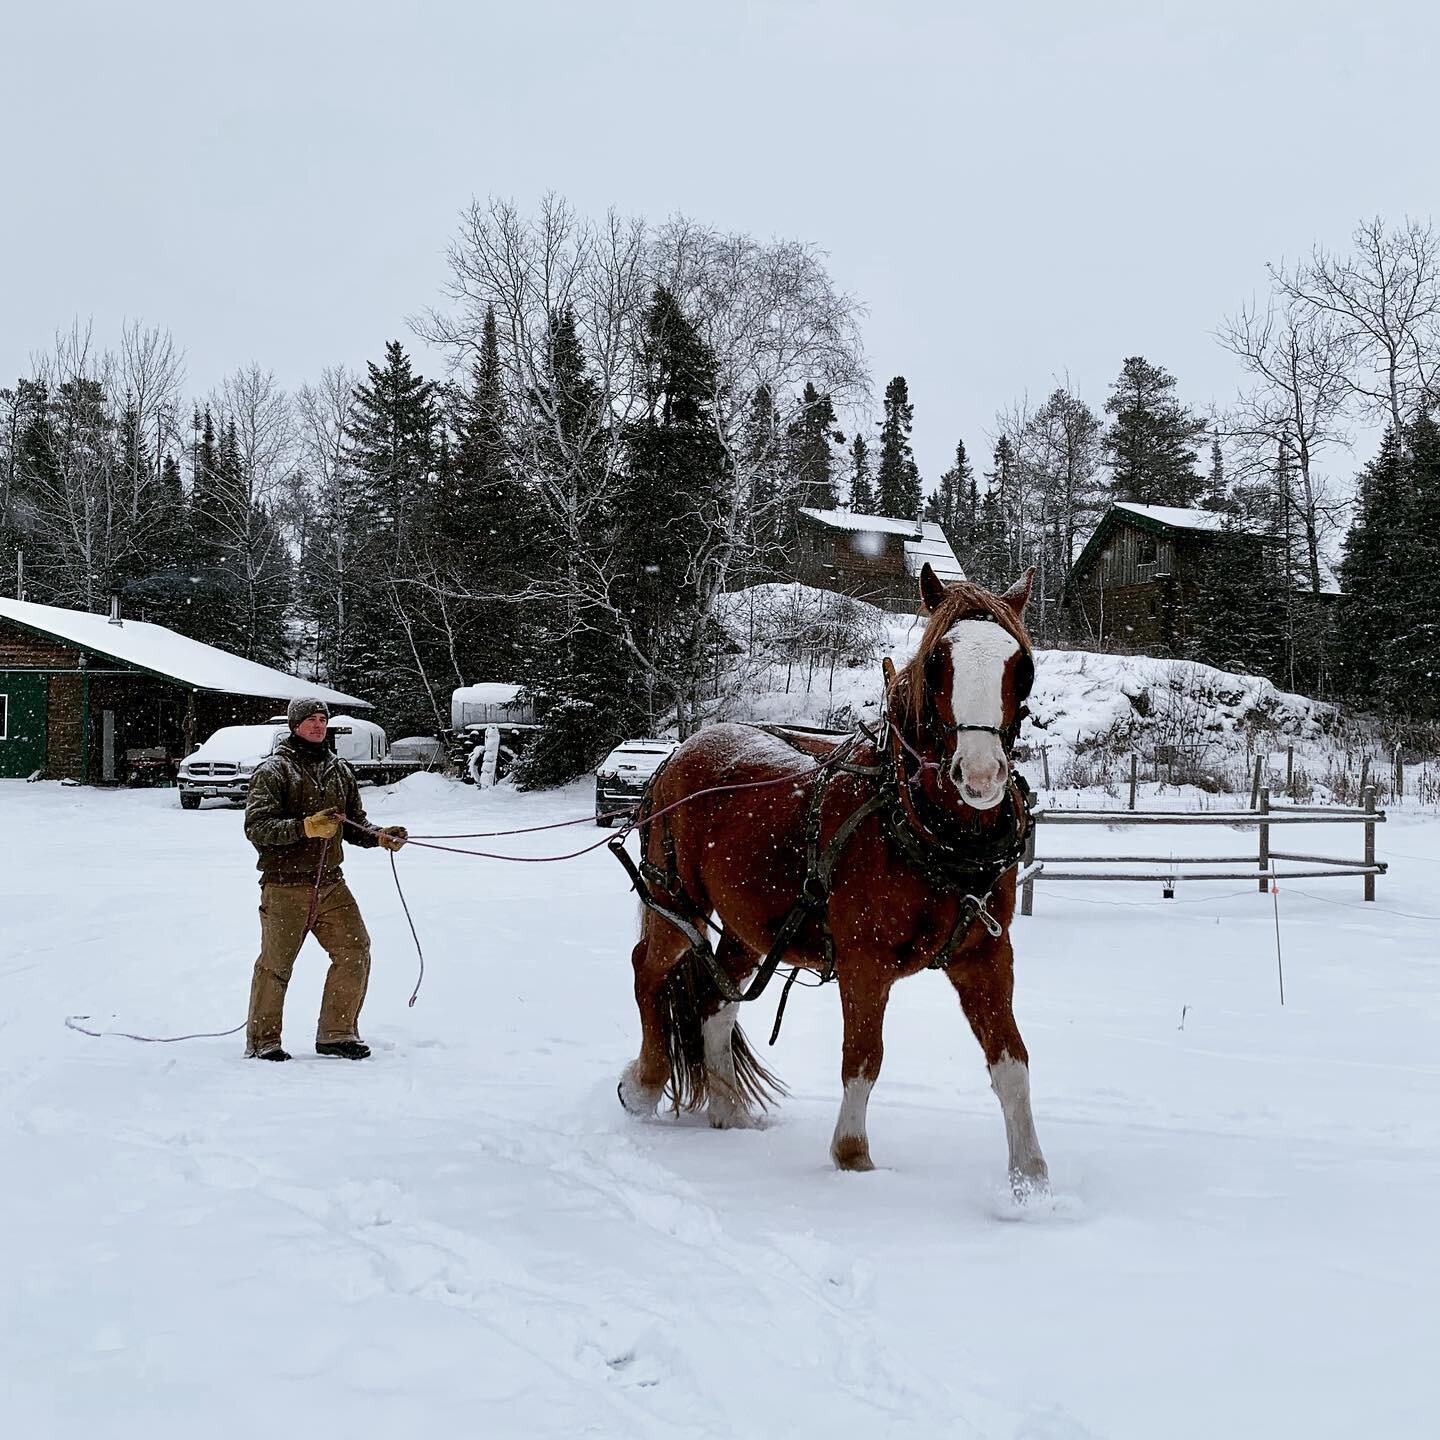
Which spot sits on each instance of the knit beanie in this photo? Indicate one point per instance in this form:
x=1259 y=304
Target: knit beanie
x=302 y=708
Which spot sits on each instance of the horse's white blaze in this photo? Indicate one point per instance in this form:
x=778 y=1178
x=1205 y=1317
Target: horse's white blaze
x=853 y=1104
x=979 y=653
x=1010 y=1079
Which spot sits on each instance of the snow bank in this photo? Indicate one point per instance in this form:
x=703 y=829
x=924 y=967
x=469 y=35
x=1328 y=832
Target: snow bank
x=808 y=657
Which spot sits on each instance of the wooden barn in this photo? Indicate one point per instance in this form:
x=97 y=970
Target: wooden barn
x=104 y=700
x=1134 y=585
x=872 y=557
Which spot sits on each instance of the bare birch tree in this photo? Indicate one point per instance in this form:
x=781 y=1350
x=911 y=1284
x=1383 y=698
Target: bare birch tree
x=1384 y=299
x=1302 y=363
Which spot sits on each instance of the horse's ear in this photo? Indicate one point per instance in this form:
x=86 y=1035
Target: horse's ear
x=932 y=589
x=1018 y=595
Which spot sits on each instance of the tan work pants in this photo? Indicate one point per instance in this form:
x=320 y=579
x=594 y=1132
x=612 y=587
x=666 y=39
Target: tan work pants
x=284 y=910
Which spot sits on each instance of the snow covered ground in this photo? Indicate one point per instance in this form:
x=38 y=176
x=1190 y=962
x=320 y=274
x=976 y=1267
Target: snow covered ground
x=467 y=1237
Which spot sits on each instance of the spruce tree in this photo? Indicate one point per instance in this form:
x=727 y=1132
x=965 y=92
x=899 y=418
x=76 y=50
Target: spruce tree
x=810 y=440
x=953 y=505
x=862 y=483
x=1239 y=605
x=1217 y=491
x=1410 y=651
x=1372 y=590
x=897 y=477
x=1150 y=445
x=670 y=506
x=397 y=653
x=486 y=527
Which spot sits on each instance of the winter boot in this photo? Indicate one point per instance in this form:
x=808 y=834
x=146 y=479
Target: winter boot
x=274 y=1053
x=344 y=1049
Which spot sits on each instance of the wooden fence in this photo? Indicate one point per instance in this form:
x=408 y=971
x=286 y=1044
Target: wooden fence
x=1260 y=866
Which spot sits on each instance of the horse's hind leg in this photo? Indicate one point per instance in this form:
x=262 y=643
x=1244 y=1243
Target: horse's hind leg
x=655 y=955
x=862 y=1005
x=985 y=984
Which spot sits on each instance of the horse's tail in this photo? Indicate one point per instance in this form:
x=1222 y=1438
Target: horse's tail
x=687 y=997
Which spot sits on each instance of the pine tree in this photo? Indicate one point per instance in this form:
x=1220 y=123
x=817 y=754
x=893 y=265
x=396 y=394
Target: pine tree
x=1369 y=577
x=664 y=519
x=399 y=654
x=1410 y=652
x=953 y=505
x=207 y=521
x=670 y=505
x=486 y=527
x=1239 y=604
x=1150 y=445
x=862 y=483
x=1217 y=491
x=897 y=477
x=810 y=439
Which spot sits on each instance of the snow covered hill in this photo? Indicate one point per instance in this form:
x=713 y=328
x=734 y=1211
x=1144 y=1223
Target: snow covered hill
x=808 y=657
x=467 y=1237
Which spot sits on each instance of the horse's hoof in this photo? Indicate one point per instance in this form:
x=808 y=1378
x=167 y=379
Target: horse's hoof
x=851 y=1154
x=636 y=1099
x=1032 y=1183
x=736 y=1118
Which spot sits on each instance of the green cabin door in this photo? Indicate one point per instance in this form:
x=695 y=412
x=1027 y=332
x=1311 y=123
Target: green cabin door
x=22 y=725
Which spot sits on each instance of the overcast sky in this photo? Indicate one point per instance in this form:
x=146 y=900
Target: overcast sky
x=1015 y=191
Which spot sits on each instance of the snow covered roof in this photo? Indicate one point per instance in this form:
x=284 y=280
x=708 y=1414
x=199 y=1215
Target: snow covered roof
x=924 y=539
x=1177 y=517
x=934 y=547
x=167 y=653
x=848 y=520
x=492 y=693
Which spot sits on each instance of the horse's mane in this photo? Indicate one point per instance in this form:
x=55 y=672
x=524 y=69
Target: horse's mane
x=962 y=598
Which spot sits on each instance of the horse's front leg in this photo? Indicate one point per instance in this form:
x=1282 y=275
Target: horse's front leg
x=985 y=981
x=862 y=1004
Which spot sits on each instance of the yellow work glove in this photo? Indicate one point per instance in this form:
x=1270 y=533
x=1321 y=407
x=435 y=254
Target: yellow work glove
x=392 y=837
x=323 y=826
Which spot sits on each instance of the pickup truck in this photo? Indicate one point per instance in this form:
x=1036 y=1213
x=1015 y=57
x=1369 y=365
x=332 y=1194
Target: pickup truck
x=221 y=768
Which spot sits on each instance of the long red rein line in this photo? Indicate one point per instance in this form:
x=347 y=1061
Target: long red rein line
x=431 y=842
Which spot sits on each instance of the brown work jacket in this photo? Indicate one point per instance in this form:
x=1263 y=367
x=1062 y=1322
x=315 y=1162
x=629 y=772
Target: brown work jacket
x=288 y=786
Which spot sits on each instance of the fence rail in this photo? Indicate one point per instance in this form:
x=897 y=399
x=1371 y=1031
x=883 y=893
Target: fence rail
x=1261 y=866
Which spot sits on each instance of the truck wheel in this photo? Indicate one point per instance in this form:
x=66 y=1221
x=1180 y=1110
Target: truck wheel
x=189 y=802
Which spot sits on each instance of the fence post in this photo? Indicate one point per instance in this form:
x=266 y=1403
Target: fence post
x=1370 y=840
x=1364 y=774
x=1045 y=764
x=1264 y=829
x=1399 y=775
x=1027 y=890
x=1255 y=784
x=1290 y=771
x=1134 y=776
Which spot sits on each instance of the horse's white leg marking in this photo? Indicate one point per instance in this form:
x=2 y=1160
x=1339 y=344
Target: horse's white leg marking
x=725 y=1108
x=638 y=1099
x=1010 y=1080
x=851 y=1146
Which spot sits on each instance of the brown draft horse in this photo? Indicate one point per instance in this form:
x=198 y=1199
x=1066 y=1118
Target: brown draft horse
x=925 y=878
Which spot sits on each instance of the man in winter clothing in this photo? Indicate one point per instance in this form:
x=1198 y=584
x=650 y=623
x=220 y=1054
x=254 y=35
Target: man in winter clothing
x=300 y=800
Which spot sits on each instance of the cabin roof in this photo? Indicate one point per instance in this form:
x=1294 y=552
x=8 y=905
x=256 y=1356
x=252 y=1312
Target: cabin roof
x=1157 y=520
x=167 y=653
x=924 y=539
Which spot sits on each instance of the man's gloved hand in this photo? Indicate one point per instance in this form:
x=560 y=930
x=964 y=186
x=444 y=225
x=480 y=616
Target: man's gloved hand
x=392 y=837
x=324 y=825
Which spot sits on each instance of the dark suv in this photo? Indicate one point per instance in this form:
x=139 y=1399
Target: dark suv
x=622 y=775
